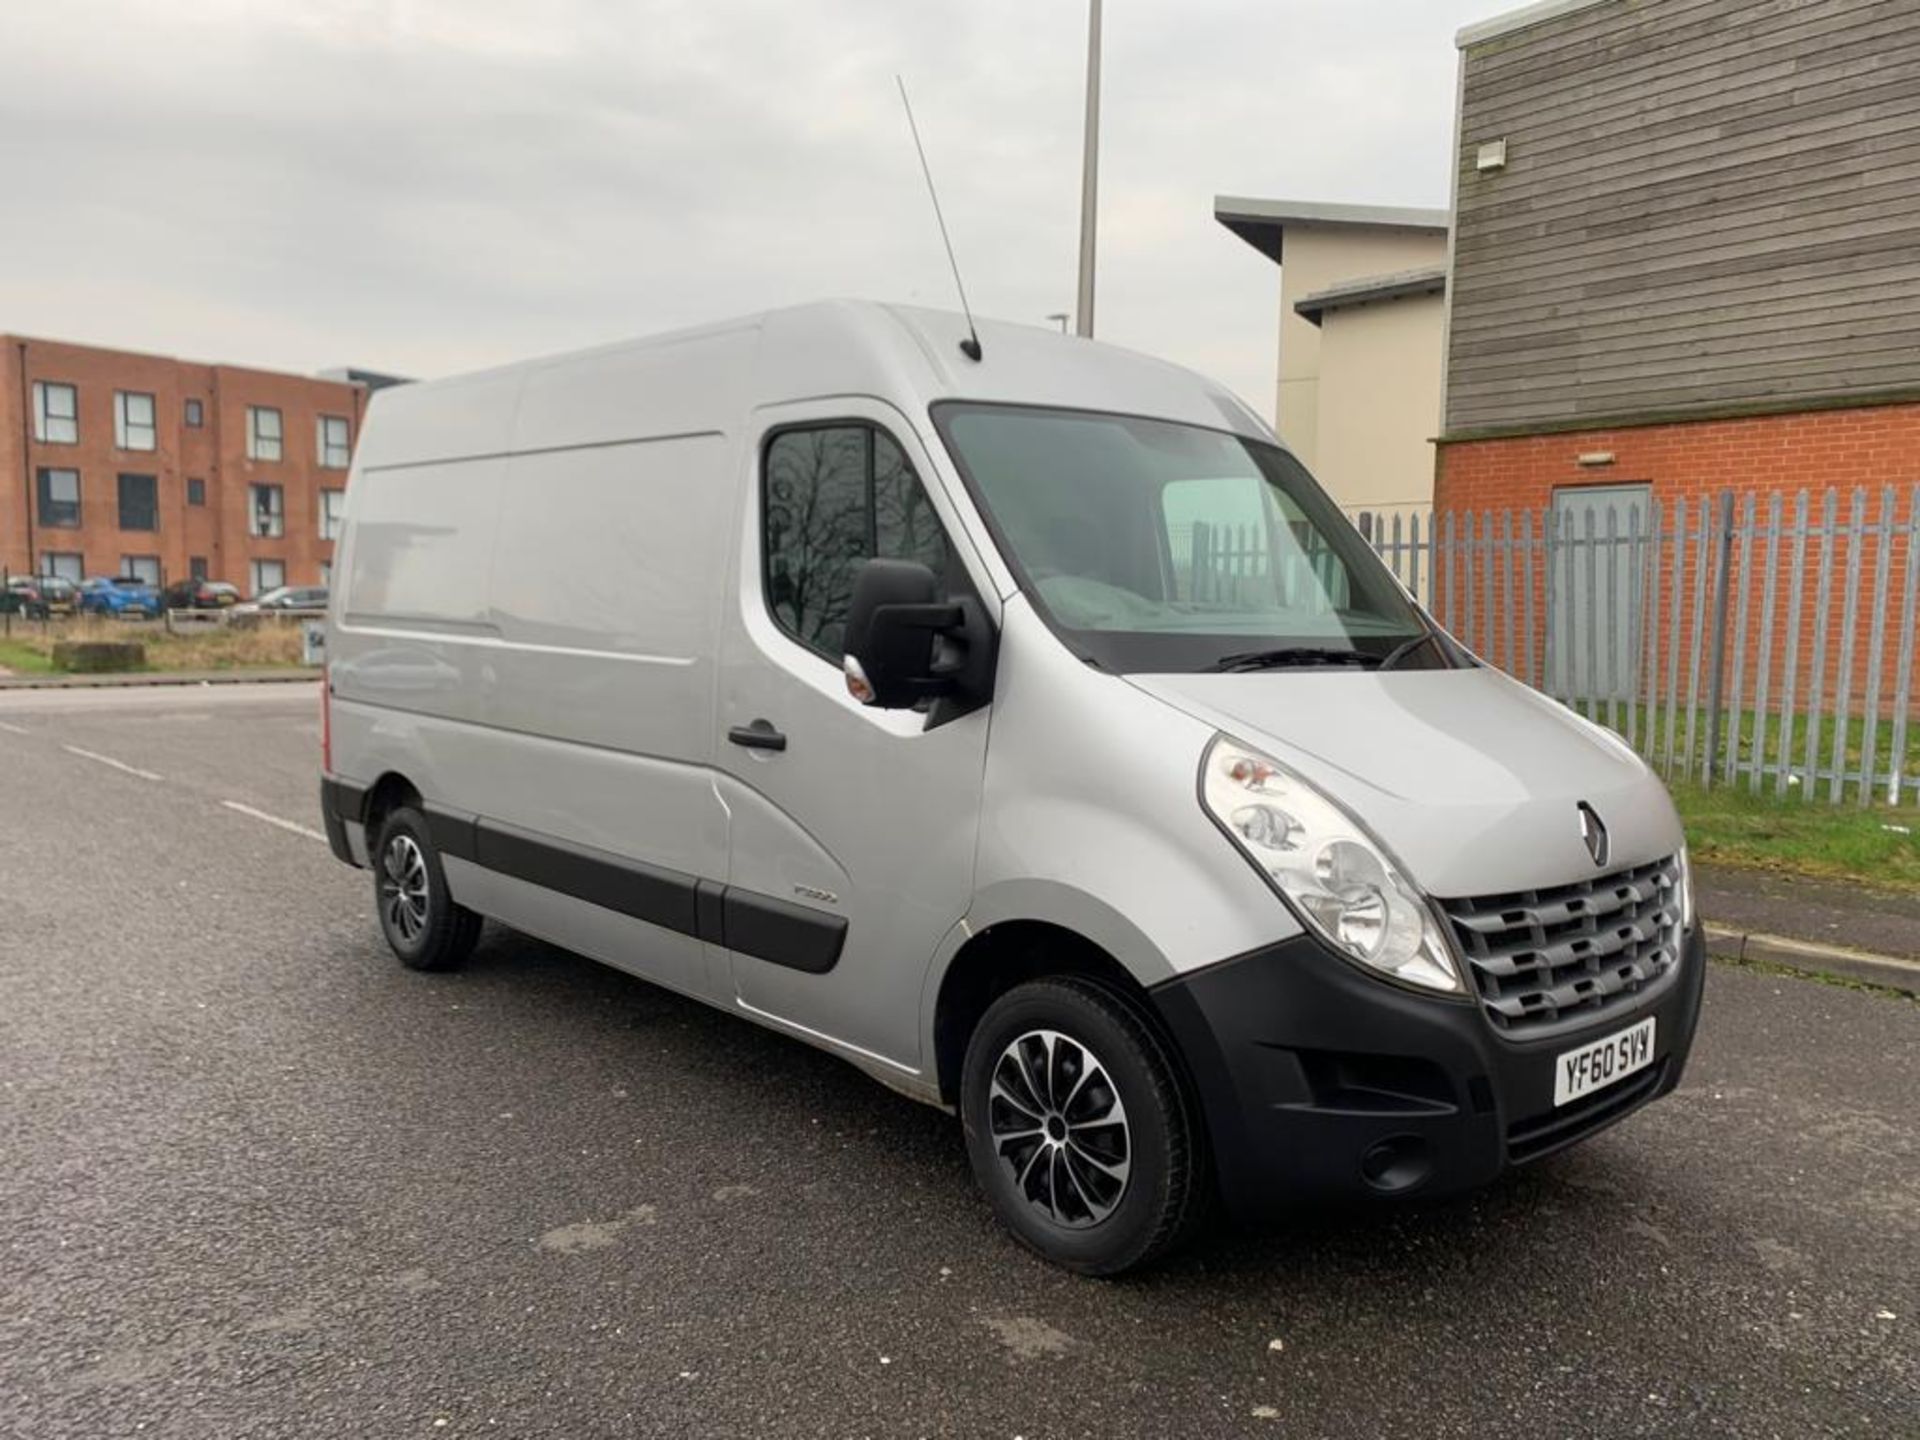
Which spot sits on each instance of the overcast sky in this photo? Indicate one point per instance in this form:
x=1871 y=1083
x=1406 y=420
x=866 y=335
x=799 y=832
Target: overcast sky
x=426 y=186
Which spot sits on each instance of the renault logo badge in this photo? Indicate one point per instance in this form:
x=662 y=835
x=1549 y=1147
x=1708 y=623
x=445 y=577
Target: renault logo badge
x=1595 y=834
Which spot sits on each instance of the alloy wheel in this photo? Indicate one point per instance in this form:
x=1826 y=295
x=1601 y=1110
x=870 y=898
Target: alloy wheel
x=1059 y=1128
x=403 y=888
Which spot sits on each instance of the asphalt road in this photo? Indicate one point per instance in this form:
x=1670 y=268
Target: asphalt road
x=256 y=1179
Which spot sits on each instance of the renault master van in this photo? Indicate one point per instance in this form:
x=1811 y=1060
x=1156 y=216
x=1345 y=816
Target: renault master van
x=1030 y=731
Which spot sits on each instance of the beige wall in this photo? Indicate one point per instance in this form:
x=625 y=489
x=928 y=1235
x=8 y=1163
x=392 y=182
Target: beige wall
x=1317 y=256
x=1379 y=403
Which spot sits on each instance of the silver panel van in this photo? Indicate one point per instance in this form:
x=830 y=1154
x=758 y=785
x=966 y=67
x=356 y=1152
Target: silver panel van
x=1030 y=731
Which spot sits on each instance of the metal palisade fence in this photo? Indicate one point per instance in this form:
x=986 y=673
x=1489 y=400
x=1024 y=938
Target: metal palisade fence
x=1758 y=638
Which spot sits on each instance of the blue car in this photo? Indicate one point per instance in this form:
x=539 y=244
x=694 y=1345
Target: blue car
x=126 y=598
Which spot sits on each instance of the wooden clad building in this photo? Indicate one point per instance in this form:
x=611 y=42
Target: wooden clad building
x=1676 y=212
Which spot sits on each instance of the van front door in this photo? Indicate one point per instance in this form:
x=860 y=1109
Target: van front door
x=851 y=829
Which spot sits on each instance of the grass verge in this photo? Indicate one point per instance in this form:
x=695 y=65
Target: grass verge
x=1876 y=846
x=268 y=646
x=22 y=658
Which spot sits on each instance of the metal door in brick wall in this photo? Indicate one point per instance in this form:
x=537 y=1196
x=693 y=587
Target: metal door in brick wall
x=1593 y=581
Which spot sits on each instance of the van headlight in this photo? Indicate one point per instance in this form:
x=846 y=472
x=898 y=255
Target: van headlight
x=1337 y=876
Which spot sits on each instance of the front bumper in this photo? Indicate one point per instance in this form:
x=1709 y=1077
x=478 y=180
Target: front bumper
x=1320 y=1082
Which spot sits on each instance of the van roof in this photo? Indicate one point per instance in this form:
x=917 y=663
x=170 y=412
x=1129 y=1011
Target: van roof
x=705 y=379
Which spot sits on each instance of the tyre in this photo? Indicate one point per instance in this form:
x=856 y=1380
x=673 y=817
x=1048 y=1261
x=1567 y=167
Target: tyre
x=423 y=926
x=1078 y=1127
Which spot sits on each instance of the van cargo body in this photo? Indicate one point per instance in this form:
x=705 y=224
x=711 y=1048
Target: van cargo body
x=1031 y=732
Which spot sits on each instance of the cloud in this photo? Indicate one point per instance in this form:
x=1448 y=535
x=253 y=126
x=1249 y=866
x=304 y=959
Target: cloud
x=428 y=187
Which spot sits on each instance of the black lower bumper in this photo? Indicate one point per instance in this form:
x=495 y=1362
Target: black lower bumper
x=1318 y=1081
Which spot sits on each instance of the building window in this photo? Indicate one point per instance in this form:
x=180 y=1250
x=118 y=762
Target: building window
x=133 y=420
x=263 y=433
x=336 y=447
x=834 y=496
x=60 y=499
x=196 y=490
x=197 y=567
x=333 y=509
x=56 y=413
x=63 y=565
x=196 y=414
x=139 y=503
x=266 y=512
x=268 y=575
x=141 y=567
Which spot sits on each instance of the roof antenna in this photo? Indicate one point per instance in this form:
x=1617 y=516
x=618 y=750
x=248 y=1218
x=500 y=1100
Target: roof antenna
x=969 y=347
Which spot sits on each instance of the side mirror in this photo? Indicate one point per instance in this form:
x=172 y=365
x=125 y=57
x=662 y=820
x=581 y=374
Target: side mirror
x=893 y=621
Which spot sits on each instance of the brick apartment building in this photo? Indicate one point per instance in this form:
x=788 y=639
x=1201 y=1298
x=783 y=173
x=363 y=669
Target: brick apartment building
x=115 y=463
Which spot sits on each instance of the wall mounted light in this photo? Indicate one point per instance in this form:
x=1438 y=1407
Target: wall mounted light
x=1593 y=459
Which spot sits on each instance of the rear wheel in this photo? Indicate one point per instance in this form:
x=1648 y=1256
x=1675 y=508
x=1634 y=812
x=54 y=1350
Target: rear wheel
x=1077 y=1127
x=424 y=927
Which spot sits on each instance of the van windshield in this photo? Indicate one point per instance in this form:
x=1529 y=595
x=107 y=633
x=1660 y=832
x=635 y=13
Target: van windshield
x=1153 y=546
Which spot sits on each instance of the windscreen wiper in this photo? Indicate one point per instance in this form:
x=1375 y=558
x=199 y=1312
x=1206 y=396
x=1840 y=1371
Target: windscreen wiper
x=1301 y=656
x=1407 y=647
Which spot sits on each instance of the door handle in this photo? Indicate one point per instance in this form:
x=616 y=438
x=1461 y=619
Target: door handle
x=760 y=735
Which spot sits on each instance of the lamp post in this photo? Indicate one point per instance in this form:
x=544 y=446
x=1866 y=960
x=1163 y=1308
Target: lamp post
x=1089 y=176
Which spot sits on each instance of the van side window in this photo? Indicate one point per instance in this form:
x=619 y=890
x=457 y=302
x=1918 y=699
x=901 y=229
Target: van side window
x=834 y=496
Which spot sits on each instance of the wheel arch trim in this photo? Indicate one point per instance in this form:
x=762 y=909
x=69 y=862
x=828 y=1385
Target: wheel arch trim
x=1088 y=920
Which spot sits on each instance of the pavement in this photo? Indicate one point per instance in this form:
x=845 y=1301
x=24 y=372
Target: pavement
x=1829 y=928
x=1817 y=912
x=260 y=1180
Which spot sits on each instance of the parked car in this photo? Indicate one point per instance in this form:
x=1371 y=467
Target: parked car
x=125 y=598
x=286 y=600
x=24 y=596
x=202 y=595
x=1075 y=765
x=61 y=596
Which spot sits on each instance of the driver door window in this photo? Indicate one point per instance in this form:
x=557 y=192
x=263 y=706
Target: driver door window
x=832 y=497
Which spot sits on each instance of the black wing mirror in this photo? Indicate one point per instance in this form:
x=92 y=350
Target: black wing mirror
x=893 y=623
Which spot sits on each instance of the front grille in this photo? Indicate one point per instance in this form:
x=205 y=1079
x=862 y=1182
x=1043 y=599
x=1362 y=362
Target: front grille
x=1554 y=959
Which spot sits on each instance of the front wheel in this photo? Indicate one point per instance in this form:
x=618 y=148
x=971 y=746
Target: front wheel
x=424 y=927
x=1078 y=1128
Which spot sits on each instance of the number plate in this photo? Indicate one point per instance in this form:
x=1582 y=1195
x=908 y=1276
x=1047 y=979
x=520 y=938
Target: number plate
x=1596 y=1066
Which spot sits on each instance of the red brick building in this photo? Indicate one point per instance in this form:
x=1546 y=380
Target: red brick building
x=115 y=463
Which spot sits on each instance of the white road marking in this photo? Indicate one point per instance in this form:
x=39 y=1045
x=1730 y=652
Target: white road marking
x=14 y=729
x=274 y=820
x=109 y=760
